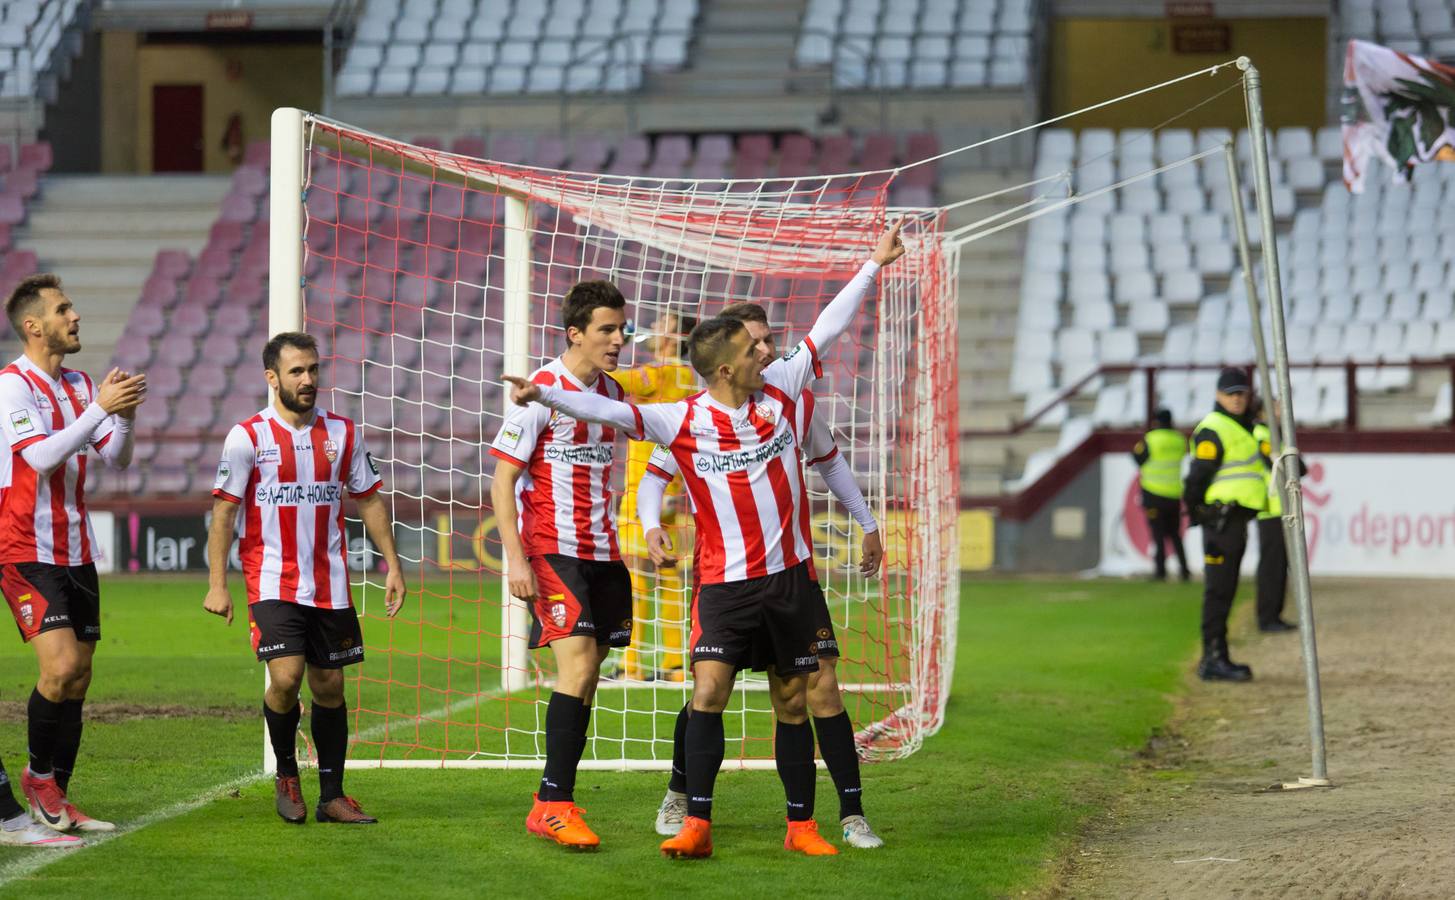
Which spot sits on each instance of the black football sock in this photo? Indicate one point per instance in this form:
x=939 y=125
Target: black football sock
x=68 y=743
x=563 y=748
x=704 y=757
x=44 y=726
x=677 y=782
x=9 y=809
x=793 y=751
x=283 y=735
x=836 y=743
x=583 y=725
x=331 y=741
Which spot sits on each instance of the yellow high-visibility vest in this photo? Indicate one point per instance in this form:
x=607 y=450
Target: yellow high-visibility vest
x=1265 y=445
x=1162 y=470
x=1241 y=478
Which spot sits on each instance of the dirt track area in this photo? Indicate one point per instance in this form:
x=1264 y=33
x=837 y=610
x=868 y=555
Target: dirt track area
x=1201 y=821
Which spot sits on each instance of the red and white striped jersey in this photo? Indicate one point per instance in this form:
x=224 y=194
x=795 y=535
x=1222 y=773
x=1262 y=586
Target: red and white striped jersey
x=742 y=470
x=44 y=519
x=290 y=485
x=565 y=493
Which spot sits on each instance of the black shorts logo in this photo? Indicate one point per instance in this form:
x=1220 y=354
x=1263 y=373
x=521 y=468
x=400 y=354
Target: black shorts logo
x=346 y=643
x=824 y=634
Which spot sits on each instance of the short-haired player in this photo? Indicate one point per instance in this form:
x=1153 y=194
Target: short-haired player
x=736 y=445
x=283 y=477
x=825 y=702
x=51 y=415
x=552 y=498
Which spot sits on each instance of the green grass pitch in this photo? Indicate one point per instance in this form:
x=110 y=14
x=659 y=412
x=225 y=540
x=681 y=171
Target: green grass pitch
x=1056 y=683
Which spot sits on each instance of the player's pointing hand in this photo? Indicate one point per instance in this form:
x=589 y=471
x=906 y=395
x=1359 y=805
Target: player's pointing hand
x=523 y=392
x=890 y=246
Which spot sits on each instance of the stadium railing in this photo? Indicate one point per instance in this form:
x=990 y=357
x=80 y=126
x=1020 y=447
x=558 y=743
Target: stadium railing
x=1050 y=473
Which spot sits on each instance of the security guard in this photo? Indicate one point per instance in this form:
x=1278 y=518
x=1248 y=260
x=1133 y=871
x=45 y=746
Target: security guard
x=1225 y=489
x=1272 y=552
x=1159 y=454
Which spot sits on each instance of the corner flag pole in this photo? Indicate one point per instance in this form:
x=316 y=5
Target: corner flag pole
x=1286 y=464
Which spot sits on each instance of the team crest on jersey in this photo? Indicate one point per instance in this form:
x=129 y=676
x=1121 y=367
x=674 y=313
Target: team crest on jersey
x=330 y=451
x=27 y=612
x=766 y=412
x=558 y=614
x=20 y=420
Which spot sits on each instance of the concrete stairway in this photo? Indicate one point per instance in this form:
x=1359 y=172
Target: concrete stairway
x=101 y=235
x=744 y=49
x=990 y=275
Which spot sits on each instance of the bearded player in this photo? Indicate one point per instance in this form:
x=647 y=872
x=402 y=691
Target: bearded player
x=737 y=446
x=825 y=702
x=552 y=499
x=47 y=548
x=665 y=379
x=283 y=475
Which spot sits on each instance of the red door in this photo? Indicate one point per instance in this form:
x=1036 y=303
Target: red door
x=177 y=128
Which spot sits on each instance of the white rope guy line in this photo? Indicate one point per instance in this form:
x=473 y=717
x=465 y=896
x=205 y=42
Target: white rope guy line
x=1067 y=173
x=436 y=157
x=1240 y=62
x=967 y=233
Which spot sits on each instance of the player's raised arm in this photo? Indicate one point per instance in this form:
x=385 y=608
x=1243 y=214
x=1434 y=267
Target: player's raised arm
x=836 y=317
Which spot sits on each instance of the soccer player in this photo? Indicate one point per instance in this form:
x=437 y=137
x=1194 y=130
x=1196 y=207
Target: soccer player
x=283 y=474
x=825 y=702
x=552 y=499
x=664 y=379
x=18 y=829
x=47 y=571
x=737 y=447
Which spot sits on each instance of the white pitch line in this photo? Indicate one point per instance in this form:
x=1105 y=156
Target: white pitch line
x=29 y=865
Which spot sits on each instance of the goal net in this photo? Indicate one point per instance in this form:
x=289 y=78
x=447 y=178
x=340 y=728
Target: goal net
x=426 y=275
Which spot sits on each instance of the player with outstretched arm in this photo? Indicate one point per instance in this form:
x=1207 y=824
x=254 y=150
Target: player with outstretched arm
x=737 y=445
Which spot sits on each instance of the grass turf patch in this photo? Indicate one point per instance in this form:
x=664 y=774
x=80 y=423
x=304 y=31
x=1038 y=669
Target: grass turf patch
x=1056 y=684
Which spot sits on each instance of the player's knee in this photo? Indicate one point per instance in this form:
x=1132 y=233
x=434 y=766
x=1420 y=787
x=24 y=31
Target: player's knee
x=710 y=697
x=326 y=686
x=284 y=684
x=824 y=699
x=65 y=675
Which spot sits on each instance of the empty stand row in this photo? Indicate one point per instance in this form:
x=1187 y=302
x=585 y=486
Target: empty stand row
x=1423 y=27
x=918 y=43
x=451 y=47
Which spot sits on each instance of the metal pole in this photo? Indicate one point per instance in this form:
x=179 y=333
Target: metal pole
x=1287 y=467
x=1245 y=256
x=285 y=265
x=514 y=616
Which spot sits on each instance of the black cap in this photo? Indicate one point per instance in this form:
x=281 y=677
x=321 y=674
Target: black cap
x=1232 y=381
x=1163 y=417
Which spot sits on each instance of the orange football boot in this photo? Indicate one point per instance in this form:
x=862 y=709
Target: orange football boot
x=561 y=821
x=694 y=841
x=804 y=838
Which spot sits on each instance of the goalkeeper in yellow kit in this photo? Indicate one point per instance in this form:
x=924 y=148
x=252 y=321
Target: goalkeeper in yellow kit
x=664 y=380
